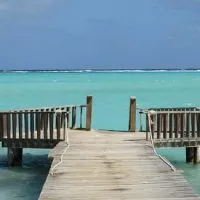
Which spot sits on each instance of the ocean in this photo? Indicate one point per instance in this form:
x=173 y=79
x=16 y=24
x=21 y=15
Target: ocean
x=111 y=91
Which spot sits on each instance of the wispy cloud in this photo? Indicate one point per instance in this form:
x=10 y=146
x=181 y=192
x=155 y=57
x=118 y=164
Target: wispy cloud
x=26 y=6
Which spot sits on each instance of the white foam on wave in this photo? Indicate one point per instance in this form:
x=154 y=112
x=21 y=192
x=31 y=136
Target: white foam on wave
x=104 y=71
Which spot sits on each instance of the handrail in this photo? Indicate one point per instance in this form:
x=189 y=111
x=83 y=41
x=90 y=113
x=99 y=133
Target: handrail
x=166 y=110
x=42 y=108
x=180 y=128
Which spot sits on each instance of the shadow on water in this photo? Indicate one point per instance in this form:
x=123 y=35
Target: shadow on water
x=26 y=182
x=190 y=171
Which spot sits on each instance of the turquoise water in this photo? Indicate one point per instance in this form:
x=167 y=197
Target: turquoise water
x=111 y=92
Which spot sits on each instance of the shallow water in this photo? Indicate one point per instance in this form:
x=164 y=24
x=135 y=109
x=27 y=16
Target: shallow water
x=111 y=92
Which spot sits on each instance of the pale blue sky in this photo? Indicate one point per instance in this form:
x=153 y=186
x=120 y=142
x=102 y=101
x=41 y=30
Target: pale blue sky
x=65 y=34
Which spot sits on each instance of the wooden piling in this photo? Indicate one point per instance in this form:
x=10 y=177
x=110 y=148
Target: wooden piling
x=132 y=114
x=189 y=154
x=89 y=113
x=196 y=155
x=14 y=157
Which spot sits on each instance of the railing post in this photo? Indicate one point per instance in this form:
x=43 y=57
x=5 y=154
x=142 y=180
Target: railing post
x=132 y=114
x=89 y=113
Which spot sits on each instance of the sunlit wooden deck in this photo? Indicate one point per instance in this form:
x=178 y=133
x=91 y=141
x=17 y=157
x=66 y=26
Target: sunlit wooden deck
x=112 y=165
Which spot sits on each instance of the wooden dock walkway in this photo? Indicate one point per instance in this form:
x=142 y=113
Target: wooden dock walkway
x=112 y=165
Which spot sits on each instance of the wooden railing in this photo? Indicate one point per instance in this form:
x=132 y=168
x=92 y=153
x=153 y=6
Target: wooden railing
x=175 y=125
x=142 y=114
x=41 y=125
x=47 y=123
x=75 y=113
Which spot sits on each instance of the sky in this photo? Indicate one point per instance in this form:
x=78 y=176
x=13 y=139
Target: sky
x=91 y=34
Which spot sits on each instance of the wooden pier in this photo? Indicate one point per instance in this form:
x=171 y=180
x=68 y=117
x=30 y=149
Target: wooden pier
x=94 y=164
x=112 y=165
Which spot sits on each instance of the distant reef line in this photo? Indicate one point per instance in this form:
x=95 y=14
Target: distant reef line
x=78 y=70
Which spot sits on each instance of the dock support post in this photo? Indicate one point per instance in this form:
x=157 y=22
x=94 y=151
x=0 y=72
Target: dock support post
x=196 y=154
x=14 y=157
x=132 y=114
x=89 y=113
x=189 y=154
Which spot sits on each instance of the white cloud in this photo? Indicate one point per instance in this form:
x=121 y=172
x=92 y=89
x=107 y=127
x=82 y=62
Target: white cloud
x=26 y=6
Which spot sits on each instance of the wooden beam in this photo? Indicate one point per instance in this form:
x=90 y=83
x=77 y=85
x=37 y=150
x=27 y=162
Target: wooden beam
x=89 y=113
x=132 y=114
x=14 y=157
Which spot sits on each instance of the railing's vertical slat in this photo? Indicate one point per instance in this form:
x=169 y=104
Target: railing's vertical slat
x=14 y=125
x=193 y=124
x=182 y=125
x=42 y=119
x=198 y=125
x=188 y=125
x=38 y=125
x=152 y=125
x=176 y=127
x=1 y=126
x=62 y=119
x=58 y=126
x=26 y=124
x=63 y=125
x=51 y=121
x=20 y=117
x=8 y=125
x=165 y=126
x=32 y=124
x=170 y=125
x=81 y=115
x=68 y=116
x=158 y=126
x=73 y=117
x=45 y=125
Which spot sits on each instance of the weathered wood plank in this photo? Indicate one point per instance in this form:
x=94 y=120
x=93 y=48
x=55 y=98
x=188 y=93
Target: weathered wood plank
x=112 y=165
x=26 y=124
x=14 y=125
x=73 y=117
x=51 y=124
x=8 y=120
x=58 y=125
x=32 y=125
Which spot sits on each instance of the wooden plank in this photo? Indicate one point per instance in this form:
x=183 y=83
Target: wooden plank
x=14 y=125
x=8 y=120
x=158 y=126
x=38 y=125
x=81 y=117
x=73 y=117
x=132 y=114
x=152 y=125
x=1 y=126
x=42 y=119
x=112 y=165
x=182 y=116
x=198 y=125
x=58 y=125
x=165 y=126
x=51 y=125
x=68 y=116
x=188 y=125
x=176 y=126
x=26 y=125
x=170 y=125
x=45 y=121
x=20 y=118
x=32 y=124
x=193 y=120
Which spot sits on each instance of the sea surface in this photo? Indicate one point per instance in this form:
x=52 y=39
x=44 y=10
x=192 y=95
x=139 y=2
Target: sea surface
x=111 y=91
